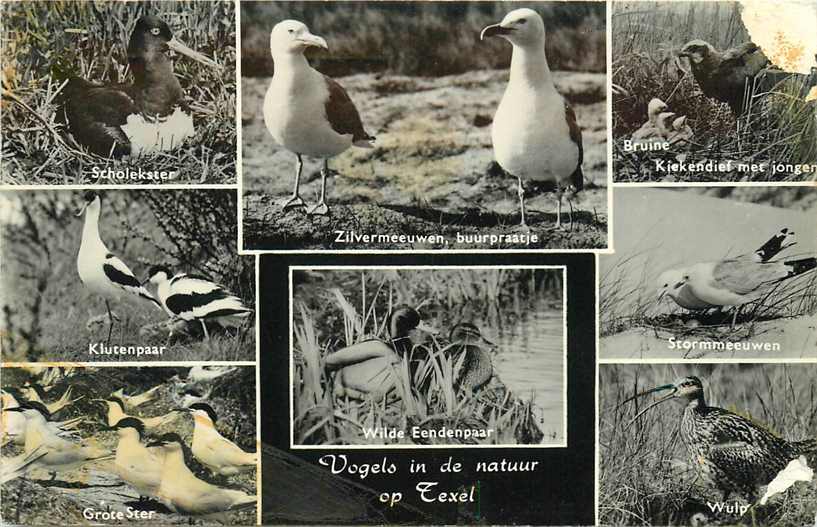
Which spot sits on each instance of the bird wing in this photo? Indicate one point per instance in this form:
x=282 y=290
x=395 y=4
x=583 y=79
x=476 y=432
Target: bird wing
x=575 y=130
x=17 y=466
x=142 y=398
x=647 y=131
x=119 y=274
x=577 y=178
x=342 y=114
x=96 y=114
x=356 y=353
x=741 y=445
x=197 y=297
x=222 y=448
x=740 y=64
x=745 y=276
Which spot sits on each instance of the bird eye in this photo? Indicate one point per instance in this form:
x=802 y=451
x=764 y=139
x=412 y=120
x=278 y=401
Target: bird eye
x=291 y=30
x=155 y=31
x=521 y=21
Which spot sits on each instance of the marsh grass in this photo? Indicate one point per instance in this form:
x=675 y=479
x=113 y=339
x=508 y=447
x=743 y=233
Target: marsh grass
x=626 y=304
x=424 y=393
x=780 y=127
x=45 y=42
x=425 y=39
x=644 y=474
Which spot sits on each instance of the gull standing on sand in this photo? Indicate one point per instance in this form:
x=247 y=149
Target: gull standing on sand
x=535 y=134
x=305 y=111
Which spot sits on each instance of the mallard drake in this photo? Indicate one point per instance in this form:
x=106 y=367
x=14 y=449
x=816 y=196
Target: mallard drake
x=364 y=370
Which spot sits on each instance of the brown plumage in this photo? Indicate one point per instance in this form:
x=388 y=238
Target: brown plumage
x=728 y=451
x=343 y=116
x=723 y=75
x=577 y=177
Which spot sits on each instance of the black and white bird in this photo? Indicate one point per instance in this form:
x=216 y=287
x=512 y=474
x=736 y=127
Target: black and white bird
x=305 y=111
x=535 y=133
x=191 y=298
x=147 y=115
x=102 y=272
x=115 y=412
x=137 y=465
x=61 y=455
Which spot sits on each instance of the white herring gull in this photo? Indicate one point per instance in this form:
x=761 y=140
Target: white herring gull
x=535 y=134
x=305 y=111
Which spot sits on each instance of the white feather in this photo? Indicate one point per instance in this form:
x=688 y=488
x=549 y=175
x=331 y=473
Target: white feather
x=147 y=135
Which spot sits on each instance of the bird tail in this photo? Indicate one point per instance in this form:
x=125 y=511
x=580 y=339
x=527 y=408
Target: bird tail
x=775 y=245
x=243 y=501
x=809 y=446
x=798 y=267
x=71 y=424
x=365 y=142
x=64 y=400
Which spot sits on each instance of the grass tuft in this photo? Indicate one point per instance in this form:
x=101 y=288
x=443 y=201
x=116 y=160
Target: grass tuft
x=44 y=42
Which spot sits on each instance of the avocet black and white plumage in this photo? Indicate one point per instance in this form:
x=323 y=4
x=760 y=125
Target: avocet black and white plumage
x=99 y=269
x=147 y=115
x=305 y=111
x=190 y=297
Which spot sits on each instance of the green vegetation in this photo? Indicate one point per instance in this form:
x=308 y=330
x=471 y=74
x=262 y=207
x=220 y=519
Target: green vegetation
x=45 y=42
x=644 y=475
x=779 y=128
x=421 y=38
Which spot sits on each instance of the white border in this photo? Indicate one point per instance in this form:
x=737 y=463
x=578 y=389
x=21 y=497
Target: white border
x=125 y=364
x=291 y=365
x=259 y=509
x=610 y=249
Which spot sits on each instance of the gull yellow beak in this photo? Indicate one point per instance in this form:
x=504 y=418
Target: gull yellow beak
x=496 y=30
x=313 y=40
x=180 y=47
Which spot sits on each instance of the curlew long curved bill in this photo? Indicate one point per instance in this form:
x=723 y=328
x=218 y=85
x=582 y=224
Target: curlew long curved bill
x=654 y=403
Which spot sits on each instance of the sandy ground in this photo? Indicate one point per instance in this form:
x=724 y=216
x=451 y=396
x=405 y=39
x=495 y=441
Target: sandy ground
x=665 y=229
x=430 y=172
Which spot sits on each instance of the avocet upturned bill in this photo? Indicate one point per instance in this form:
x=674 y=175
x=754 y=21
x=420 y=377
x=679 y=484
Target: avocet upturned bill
x=100 y=270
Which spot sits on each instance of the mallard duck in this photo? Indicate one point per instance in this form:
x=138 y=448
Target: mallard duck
x=477 y=367
x=364 y=370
